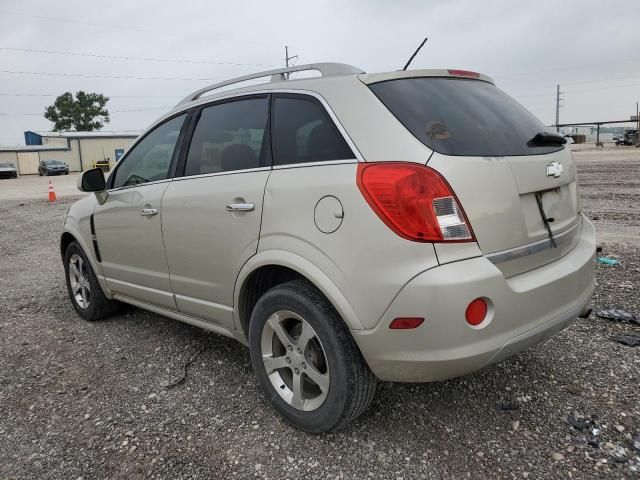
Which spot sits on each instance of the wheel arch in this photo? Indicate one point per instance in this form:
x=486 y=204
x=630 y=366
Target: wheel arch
x=69 y=236
x=65 y=240
x=270 y=268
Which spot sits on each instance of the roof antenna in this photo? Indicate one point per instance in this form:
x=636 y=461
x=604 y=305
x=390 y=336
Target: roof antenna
x=416 y=52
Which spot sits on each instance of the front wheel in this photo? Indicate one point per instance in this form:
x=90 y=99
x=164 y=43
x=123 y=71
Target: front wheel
x=84 y=290
x=306 y=361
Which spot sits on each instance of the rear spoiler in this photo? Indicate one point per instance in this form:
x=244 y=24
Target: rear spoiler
x=369 y=78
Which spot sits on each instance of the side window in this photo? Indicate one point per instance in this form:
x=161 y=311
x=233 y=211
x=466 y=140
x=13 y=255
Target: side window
x=229 y=136
x=304 y=132
x=149 y=160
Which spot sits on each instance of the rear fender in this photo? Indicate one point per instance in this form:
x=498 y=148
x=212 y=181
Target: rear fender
x=305 y=268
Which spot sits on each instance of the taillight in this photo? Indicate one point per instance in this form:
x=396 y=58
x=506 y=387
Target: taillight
x=414 y=201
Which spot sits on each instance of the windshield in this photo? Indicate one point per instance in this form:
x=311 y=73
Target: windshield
x=5 y=165
x=462 y=117
x=53 y=162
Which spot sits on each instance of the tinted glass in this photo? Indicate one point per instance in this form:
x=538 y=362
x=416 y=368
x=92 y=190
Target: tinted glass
x=149 y=160
x=462 y=117
x=5 y=165
x=304 y=132
x=229 y=136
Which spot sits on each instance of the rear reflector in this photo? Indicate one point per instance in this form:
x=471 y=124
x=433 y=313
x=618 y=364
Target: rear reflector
x=414 y=201
x=405 y=323
x=476 y=311
x=464 y=73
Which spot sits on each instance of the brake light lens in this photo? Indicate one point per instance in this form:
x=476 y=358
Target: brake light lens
x=463 y=73
x=414 y=201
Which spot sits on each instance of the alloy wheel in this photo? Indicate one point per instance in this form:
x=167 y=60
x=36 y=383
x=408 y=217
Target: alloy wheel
x=79 y=279
x=295 y=360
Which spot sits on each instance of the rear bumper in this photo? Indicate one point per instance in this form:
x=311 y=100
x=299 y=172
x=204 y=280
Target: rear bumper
x=524 y=310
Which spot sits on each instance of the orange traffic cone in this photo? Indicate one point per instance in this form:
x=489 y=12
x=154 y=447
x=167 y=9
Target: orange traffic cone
x=52 y=194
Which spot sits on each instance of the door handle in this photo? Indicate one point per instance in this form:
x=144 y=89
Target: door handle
x=147 y=212
x=241 y=207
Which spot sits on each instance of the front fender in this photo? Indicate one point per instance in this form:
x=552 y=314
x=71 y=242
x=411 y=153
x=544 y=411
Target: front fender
x=305 y=268
x=77 y=224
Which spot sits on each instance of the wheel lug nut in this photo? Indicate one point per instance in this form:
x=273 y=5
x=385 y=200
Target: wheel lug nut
x=288 y=360
x=289 y=347
x=299 y=351
x=297 y=371
x=304 y=365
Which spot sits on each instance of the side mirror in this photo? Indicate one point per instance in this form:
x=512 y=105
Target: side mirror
x=93 y=181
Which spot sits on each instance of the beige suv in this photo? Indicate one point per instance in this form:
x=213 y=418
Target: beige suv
x=407 y=226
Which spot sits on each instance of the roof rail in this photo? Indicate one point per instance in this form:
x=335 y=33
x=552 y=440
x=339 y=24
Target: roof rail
x=279 y=74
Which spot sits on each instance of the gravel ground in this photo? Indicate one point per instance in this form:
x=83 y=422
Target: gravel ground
x=90 y=400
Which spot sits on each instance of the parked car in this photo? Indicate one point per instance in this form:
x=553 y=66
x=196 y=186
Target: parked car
x=629 y=137
x=347 y=228
x=8 y=170
x=53 y=167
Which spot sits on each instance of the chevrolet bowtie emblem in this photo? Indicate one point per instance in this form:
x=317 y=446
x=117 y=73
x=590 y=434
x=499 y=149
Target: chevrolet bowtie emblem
x=554 y=169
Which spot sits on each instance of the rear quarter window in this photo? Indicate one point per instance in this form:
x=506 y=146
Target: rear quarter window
x=462 y=116
x=303 y=132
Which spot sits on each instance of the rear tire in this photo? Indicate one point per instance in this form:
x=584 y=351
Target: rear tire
x=329 y=358
x=84 y=290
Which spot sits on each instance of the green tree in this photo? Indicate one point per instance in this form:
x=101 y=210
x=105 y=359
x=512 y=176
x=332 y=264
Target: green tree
x=84 y=113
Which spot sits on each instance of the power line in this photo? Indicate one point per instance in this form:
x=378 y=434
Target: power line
x=129 y=29
x=110 y=112
x=139 y=59
x=110 y=96
x=582 y=82
x=607 y=87
x=572 y=67
x=115 y=77
x=144 y=109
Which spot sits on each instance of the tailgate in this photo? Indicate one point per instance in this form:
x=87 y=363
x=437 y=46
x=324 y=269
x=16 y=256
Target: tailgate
x=499 y=198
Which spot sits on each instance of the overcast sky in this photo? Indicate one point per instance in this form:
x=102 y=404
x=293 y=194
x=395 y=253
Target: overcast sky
x=591 y=48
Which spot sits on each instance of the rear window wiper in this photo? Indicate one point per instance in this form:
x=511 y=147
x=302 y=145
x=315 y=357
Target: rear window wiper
x=546 y=138
x=546 y=220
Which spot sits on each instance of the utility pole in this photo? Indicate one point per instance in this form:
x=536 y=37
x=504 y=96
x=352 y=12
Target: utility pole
x=558 y=92
x=637 y=125
x=287 y=58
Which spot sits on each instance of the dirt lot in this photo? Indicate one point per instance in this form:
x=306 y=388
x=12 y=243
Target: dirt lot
x=37 y=187
x=81 y=399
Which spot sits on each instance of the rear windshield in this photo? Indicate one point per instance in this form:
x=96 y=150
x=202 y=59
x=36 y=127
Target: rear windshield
x=462 y=117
